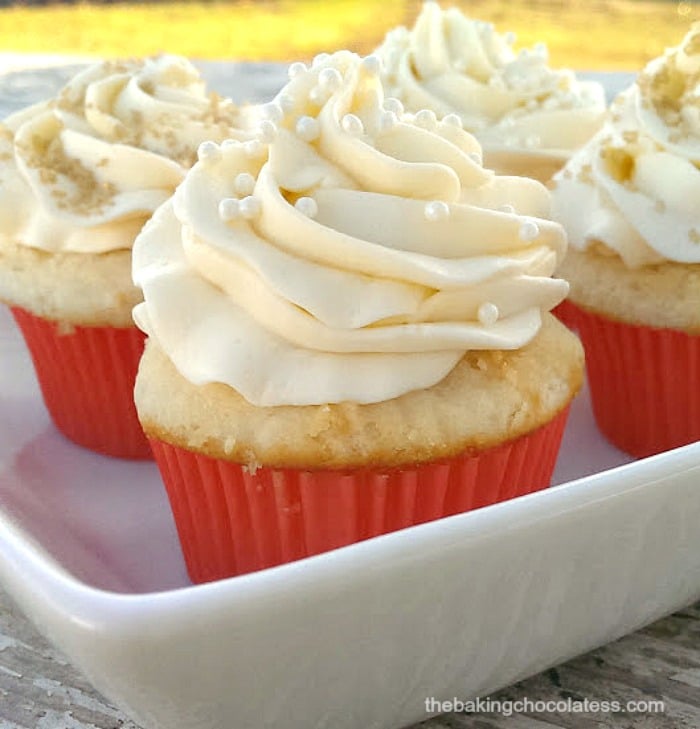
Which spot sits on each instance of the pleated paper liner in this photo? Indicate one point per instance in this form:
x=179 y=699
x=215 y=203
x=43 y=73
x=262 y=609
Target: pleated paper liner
x=566 y=313
x=87 y=375
x=232 y=521
x=644 y=383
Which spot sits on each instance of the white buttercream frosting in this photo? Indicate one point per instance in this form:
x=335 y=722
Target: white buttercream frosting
x=633 y=191
x=512 y=101
x=83 y=171
x=349 y=253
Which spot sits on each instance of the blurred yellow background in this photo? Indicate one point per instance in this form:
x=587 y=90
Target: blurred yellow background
x=594 y=34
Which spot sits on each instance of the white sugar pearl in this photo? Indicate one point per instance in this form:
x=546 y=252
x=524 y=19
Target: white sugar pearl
x=488 y=314
x=254 y=148
x=453 y=120
x=318 y=96
x=267 y=131
x=541 y=51
x=307 y=128
x=426 y=119
x=208 y=152
x=244 y=183
x=307 y=206
x=296 y=69
x=330 y=79
x=508 y=209
x=387 y=121
x=229 y=209
x=273 y=112
x=320 y=58
x=529 y=230
x=437 y=210
x=393 y=104
x=250 y=207
x=352 y=125
x=286 y=102
x=372 y=64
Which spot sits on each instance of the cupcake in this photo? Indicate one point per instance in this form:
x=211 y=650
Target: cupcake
x=348 y=328
x=528 y=117
x=628 y=200
x=79 y=175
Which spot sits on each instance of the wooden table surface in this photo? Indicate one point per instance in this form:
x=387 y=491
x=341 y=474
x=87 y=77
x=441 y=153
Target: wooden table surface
x=39 y=689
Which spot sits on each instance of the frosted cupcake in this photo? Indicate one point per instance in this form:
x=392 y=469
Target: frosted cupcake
x=79 y=175
x=629 y=201
x=528 y=117
x=347 y=328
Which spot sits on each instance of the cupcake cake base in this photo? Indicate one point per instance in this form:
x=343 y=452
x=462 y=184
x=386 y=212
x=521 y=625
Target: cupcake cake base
x=252 y=487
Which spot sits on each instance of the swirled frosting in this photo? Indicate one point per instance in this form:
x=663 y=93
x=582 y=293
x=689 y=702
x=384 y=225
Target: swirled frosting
x=633 y=191
x=347 y=253
x=512 y=102
x=83 y=171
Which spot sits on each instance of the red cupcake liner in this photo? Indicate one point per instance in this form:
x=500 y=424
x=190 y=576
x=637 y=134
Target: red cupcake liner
x=566 y=313
x=231 y=521
x=643 y=382
x=87 y=379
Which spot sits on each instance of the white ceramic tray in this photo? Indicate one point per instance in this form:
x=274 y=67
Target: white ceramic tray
x=353 y=639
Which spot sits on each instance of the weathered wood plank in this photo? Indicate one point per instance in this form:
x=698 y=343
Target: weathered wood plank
x=39 y=689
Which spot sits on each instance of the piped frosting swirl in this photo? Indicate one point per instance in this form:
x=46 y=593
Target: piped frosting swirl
x=512 y=101
x=82 y=172
x=633 y=190
x=349 y=252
